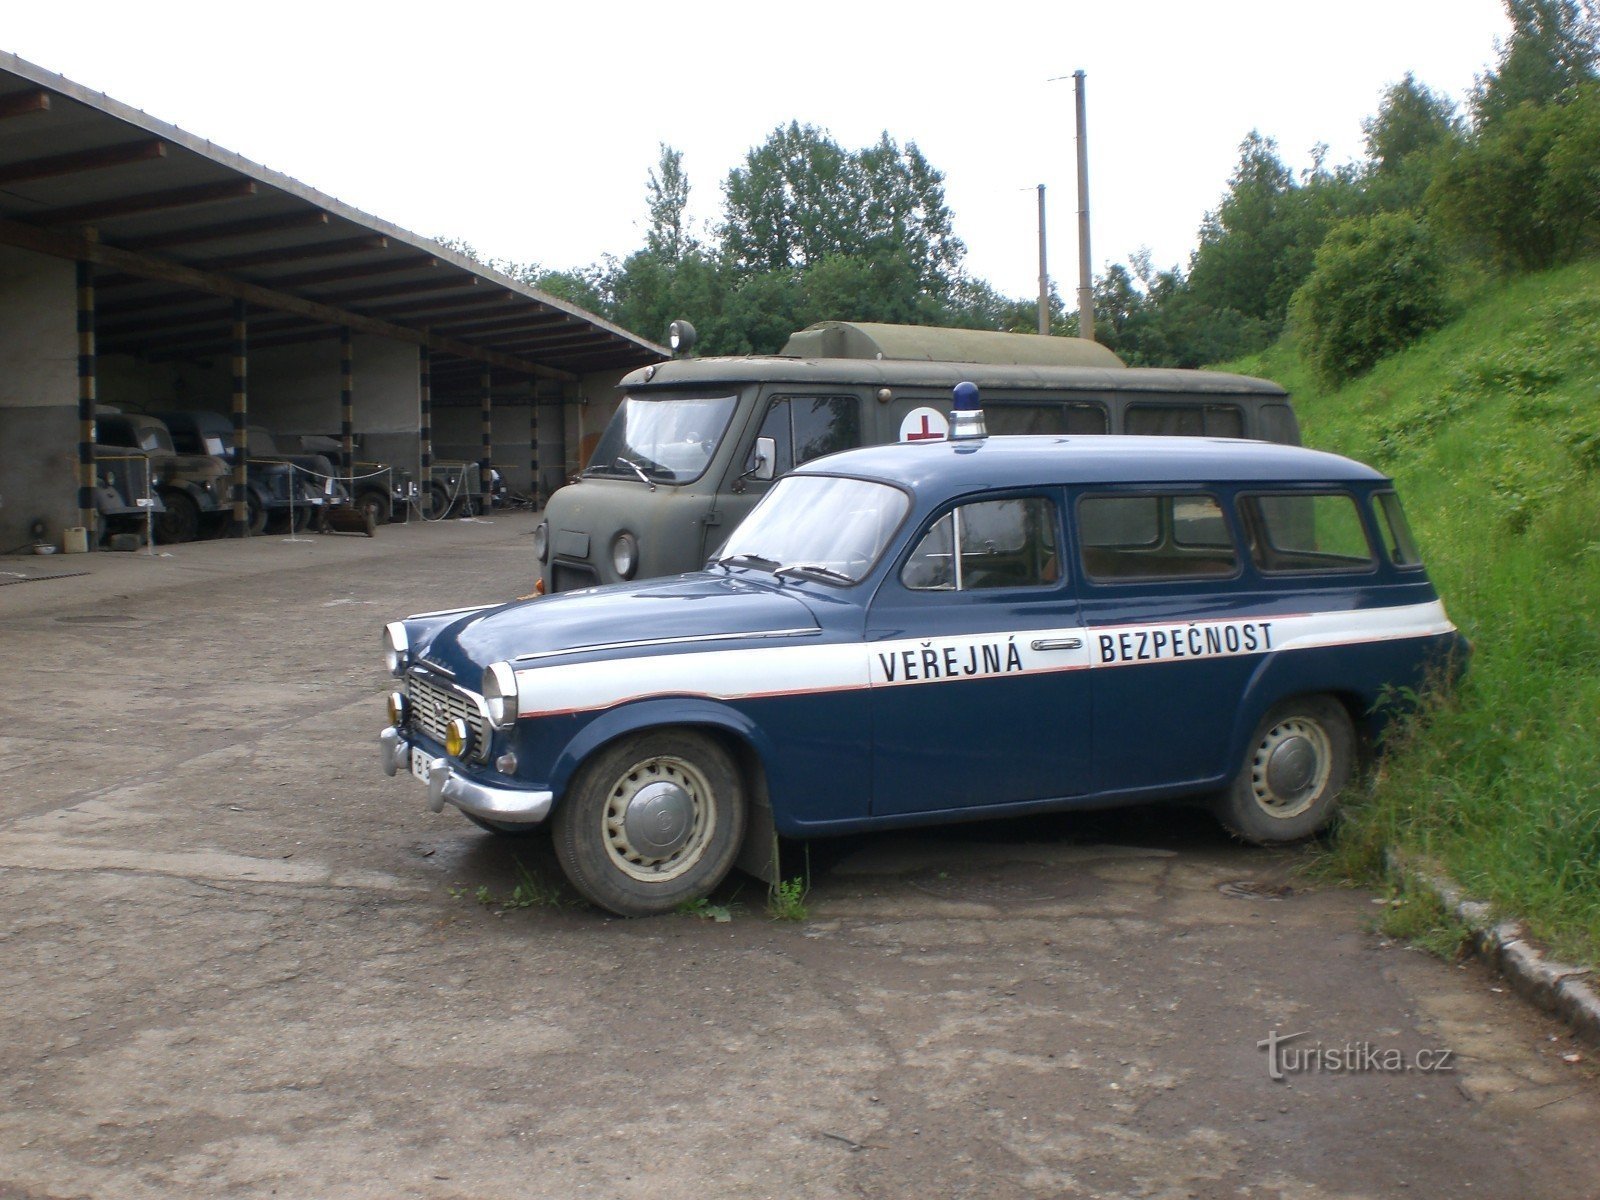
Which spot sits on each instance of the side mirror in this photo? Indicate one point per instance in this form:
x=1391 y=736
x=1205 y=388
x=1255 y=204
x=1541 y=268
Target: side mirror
x=766 y=459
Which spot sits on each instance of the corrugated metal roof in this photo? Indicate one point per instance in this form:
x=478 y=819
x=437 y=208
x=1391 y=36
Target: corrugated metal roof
x=172 y=214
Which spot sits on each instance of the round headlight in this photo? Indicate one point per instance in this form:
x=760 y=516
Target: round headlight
x=541 y=541
x=625 y=555
x=396 y=648
x=500 y=695
x=457 y=738
x=399 y=710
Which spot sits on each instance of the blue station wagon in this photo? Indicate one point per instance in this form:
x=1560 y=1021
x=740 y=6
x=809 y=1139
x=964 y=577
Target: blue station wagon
x=939 y=631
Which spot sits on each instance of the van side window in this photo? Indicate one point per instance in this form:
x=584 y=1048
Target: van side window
x=1002 y=416
x=1396 y=530
x=1185 y=420
x=807 y=427
x=1303 y=532
x=1003 y=544
x=1155 y=537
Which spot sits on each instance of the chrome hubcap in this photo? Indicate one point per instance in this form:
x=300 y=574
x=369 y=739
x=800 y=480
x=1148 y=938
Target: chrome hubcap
x=658 y=819
x=1290 y=767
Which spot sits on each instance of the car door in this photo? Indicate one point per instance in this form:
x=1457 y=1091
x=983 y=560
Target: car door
x=977 y=654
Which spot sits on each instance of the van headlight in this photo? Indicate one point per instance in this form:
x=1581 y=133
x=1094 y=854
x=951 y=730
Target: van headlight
x=500 y=695
x=541 y=541
x=625 y=555
x=396 y=648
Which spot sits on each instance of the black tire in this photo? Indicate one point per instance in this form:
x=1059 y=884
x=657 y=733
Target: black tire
x=437 y=498
x=1295 y=767
x=376 y=503
x=255 y=514
x=181 y=520
x=674 y=784
x=301 y=519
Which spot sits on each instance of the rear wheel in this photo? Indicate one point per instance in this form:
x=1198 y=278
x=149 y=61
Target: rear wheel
x=1295 y=768
x=651 y=822
x=180 y=522
x=437 y=498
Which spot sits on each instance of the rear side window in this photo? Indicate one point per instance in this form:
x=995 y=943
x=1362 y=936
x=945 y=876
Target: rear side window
x=1003 y=417
x=1155 y=537
x=1398 y=542
x=1002 y=544
x=1185 y=420
x=1305 y=532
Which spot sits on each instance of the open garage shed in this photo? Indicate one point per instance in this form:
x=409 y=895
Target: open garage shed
x=145 y=269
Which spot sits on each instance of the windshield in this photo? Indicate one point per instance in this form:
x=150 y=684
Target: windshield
x=667 y=439
x=818 y=526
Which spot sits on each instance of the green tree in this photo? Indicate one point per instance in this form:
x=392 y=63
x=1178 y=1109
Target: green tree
x=667 y=197
x=1552 y=50
x=1413 y=131
x=1377 y=286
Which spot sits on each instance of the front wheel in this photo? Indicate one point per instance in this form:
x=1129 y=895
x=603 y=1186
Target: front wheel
x=1295 y=767
x=180 y=522
x=651 y=822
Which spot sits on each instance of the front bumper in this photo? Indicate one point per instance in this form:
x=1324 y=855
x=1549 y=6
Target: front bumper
x=447 y=785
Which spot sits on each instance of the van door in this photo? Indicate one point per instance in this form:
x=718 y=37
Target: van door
x=976 y=650
x=802 y=427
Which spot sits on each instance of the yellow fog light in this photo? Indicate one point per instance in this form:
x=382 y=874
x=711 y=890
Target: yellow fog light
x=457 y=738
x=398 y=708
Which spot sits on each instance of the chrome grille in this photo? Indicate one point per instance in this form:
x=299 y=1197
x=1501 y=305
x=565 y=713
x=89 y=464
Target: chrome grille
x=433 y=707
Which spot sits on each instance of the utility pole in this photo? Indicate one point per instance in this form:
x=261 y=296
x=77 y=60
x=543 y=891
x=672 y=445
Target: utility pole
x=1085 y=272
x=1044 y=274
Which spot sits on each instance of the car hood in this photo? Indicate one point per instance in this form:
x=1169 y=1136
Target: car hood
x=649 y=617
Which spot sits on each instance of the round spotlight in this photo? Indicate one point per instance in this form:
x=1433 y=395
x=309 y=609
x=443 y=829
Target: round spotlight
x=399 y=708
x=457 y=738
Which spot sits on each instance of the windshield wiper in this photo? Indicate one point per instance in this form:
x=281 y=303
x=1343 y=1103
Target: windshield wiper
x=637 y=470
x=816 y=570
x=745 y=560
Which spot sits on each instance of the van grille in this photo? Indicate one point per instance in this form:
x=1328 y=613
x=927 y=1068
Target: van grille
x=565 y=577
x=433 y=708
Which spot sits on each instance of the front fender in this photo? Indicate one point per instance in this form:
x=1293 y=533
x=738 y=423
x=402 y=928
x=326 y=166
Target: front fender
x=652 y=714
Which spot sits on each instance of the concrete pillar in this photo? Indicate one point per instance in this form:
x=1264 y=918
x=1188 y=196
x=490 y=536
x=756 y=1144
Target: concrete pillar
x=241 y=422
x=347 y=401
x=86 y=379
x=486 y=462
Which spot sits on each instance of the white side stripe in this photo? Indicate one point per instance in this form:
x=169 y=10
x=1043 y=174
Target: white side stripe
x=790 y=670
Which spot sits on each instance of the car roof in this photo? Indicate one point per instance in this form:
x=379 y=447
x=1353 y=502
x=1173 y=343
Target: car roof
x=1024 y=461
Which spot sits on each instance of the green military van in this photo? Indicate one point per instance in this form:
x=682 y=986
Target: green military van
x=695 y=442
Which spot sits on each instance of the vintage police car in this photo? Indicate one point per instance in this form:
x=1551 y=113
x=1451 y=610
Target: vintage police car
x=939 y=631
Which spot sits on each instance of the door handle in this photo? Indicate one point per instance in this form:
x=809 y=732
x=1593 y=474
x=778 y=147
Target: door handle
x=1057 y=644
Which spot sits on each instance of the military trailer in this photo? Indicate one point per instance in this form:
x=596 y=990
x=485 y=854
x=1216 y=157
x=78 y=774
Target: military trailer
x=194 y=488
x=696 y=442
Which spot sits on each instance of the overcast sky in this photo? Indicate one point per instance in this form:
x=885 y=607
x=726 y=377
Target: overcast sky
x=529 y=128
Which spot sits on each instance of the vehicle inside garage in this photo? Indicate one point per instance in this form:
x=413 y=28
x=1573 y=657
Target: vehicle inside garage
x=144 y=271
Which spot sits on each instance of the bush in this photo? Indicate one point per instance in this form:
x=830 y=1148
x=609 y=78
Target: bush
x=1377 y=285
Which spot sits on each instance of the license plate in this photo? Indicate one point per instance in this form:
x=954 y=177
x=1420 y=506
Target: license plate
x=419 y=763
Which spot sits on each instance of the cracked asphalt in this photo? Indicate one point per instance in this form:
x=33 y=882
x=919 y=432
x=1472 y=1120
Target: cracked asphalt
x=235 y=960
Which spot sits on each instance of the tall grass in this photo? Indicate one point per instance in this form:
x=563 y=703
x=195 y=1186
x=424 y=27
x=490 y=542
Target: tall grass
x=1491 y=427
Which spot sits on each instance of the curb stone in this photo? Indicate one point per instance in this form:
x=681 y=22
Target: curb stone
x=1566 y=990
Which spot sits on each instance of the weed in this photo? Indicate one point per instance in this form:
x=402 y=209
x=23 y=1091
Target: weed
x=786 y=899
x=706 y=911
x=528 y=892
x=1417 y=916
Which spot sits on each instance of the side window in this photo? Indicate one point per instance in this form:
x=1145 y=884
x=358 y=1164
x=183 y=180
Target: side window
x=1396 y=530
x=1155 y=537
x=1185 y=420
x=807 y=427
x=988 y=544
x=1005 y=417
x=1278 y=425
x=1305 y=532
x=824 y=425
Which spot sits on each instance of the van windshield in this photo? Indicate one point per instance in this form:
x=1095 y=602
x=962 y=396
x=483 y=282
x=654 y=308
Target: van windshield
x=667 y=438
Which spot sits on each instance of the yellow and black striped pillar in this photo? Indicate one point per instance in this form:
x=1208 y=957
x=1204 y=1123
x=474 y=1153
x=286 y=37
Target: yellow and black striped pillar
x=347 y=403
x=533 y=443
x=241 y=419
x=425 y=425
x=486 y=462
x=86 y=379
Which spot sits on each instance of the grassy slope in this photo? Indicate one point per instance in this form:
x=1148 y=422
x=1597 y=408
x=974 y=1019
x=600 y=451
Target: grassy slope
x=1491 y=428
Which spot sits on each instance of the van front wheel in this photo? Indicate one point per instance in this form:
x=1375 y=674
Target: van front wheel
x=651 y=822
x=1295 y=768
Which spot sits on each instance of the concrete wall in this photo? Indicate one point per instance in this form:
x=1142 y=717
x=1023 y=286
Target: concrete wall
x=133 y=386
x=38 y=396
